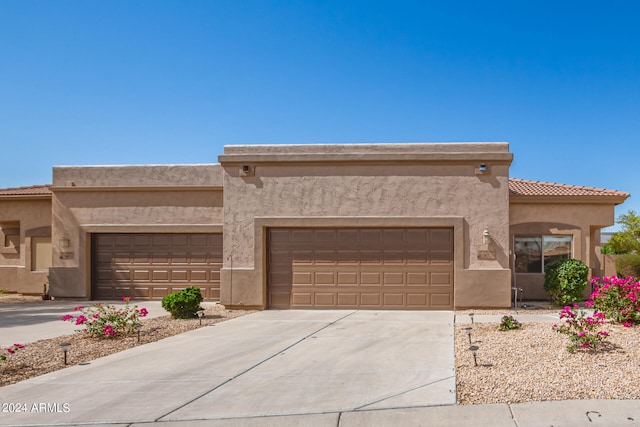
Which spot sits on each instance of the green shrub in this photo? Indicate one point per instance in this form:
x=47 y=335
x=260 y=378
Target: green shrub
x=183 y=304
x=565 y=279
x=628 y=265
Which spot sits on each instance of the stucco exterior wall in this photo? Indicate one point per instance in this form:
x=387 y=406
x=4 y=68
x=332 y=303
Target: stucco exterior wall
x=580 y=220
x=127 y=199
x=34 y=217
x=369 y=185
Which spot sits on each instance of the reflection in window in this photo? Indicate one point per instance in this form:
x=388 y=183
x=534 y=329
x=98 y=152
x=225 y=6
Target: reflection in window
x=532 y=253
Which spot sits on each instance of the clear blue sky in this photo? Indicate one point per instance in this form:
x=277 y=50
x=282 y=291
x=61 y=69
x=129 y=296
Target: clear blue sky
x=135 y=82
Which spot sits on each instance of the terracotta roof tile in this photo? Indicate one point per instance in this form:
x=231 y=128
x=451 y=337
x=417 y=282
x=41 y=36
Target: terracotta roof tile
x=523 y=187
x=33 y=190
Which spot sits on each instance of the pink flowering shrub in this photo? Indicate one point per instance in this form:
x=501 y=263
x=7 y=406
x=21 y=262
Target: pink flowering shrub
x=584 y=331
x=108 y=321
x=11 y=350
x=618 y=298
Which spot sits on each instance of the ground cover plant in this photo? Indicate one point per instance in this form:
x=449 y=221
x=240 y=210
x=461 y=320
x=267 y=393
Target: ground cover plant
x=509 y=323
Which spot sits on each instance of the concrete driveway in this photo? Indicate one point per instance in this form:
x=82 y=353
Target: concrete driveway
x=266 y=364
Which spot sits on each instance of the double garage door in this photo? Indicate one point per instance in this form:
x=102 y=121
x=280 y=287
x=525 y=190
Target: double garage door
x=381 y=268
x=152 y=265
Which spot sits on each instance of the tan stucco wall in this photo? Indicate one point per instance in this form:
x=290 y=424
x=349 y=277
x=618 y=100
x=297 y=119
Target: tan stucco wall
x=369 y=185
x=126 y=199
x=580 y=220
x=34 y=216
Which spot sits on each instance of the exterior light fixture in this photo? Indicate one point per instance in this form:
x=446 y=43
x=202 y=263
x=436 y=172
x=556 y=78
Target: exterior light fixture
x=200 y=314
x=474 y=350
x=64 y=242
x=468 y=331
x=486 y=237
x=64 y=346
x=471 y=317
x=138 y=326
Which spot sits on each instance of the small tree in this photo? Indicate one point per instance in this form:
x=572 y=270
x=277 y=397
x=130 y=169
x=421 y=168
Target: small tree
x=627 y=240
x=565 y=280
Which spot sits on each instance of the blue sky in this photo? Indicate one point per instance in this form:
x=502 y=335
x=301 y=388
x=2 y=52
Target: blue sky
x=135 y=82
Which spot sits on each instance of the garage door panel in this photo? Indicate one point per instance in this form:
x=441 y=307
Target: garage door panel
x=393 y=299
x=152 y=265
x=393 y=279
x=441 y=300
x=441 y=257
x=160 y=258
x=347 y=299
x=347 y=278
x=302 y=298
x=441 y=279
x=370 y=299
x=417 y=300
x=301 y=278
x=417 y=279
x=370 y=278
x=360 y=268
x=326 y=299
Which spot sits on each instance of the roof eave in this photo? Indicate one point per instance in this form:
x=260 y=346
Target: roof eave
x=596 y=199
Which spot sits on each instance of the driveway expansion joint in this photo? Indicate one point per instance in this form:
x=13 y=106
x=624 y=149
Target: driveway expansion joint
x=255 y=365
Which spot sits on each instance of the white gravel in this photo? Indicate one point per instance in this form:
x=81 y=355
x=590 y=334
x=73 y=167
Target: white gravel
x=533 y=364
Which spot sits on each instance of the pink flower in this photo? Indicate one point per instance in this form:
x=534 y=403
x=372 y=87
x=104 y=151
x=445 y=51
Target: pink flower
x=627 y=324
x=126 y=299
x=11 y=351
x=67 y=317
x=81 y=320
x=96 y=315
x=18 y=346
x=108 y=330
x=78 y=308
x=143 y=312
x=588 y=303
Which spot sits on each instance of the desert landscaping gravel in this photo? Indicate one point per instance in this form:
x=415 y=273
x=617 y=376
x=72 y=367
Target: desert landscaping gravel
x=523 y=365
x=533 y=364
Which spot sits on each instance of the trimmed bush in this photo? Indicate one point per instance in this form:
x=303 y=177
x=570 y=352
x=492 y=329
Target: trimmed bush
x=183 y=304
x=565 y=279
x=628 y=265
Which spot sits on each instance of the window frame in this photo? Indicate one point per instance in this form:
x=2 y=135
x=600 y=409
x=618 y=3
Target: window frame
x=541 y=238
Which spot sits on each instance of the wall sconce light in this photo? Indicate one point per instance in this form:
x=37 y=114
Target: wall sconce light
x=486 y=237
x=64 y=242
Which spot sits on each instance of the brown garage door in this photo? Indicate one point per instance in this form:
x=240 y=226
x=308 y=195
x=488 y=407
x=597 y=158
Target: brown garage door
x=383 y=268
x=150 y=266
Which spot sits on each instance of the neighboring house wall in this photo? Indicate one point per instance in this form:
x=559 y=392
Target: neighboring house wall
x=381 y=185
x=582 y=221
x=25 y=243
x=126 y=199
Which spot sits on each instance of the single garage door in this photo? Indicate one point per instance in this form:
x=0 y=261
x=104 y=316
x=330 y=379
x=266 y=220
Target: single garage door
x=382 y=268
x=150 y=266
